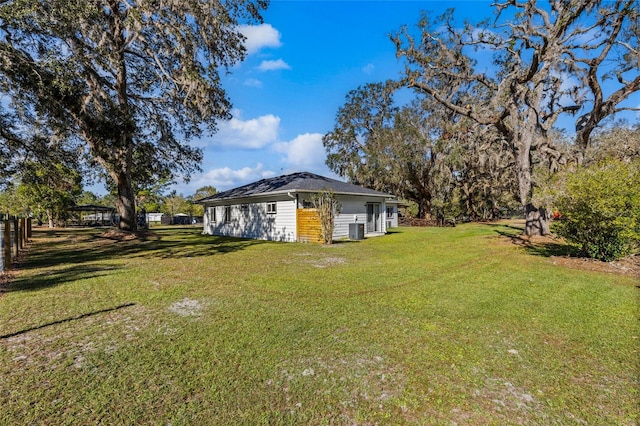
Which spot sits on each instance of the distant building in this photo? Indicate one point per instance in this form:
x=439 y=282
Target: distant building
x=93 y=215
x=154 y=218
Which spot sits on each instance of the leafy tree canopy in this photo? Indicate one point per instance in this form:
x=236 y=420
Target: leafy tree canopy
x=204 y=192
x=131 y=81
x=49 y=190
x=548 y=59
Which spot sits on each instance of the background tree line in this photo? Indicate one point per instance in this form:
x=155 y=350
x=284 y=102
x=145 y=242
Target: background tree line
x=47 y=193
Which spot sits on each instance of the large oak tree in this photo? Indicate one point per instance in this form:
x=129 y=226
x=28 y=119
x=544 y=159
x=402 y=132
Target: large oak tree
x=420 y=151
x=547 y=60
x=132 y=80
x=395 y=149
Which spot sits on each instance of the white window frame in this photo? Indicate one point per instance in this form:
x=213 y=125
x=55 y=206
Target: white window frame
x=272 y=207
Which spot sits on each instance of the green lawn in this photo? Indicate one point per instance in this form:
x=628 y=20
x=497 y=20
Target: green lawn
x=421 y=326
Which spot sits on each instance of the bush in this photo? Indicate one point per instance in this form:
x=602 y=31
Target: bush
x=328 y=208
x=600 y=208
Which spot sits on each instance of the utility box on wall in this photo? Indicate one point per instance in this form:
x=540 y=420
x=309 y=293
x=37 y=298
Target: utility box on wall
x=356 y=231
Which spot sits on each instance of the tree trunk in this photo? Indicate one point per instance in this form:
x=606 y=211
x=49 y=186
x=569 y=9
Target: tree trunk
x=495 y=210
x=50 y=219
x=537 y=218
x=126 y=203
x=537 y=221
x=424 y=207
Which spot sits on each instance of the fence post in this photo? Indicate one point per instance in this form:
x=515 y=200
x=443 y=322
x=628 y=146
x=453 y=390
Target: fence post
x=23 y=231
x=19 y=231
x=7 y=245
x=16 y=237
x=29 y=229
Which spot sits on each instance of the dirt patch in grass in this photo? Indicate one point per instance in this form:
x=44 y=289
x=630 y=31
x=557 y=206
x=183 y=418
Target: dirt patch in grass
x=187 y=307
x=559 y=252
x=119 y=235
x=69 y=346
x=320 y=261
x=507 y=401
x=626 y=266
x=360 y=382
x=328 y=261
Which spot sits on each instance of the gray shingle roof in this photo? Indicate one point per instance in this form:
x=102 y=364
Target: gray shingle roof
x=295 y=182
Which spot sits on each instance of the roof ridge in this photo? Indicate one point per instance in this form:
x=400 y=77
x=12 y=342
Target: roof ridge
x=298 y=181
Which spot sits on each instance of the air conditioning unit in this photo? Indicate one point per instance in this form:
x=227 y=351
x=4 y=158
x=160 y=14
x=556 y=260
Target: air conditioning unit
x=356 y=231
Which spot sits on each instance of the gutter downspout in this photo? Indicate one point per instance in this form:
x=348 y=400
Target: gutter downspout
x=295 y=197
x=295 y=229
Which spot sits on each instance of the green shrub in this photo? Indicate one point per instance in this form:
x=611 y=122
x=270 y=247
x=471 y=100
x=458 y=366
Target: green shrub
x=600 y=207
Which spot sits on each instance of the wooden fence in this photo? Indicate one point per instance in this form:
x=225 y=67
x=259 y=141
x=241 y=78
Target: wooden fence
x=14 y=235
x=308 y=224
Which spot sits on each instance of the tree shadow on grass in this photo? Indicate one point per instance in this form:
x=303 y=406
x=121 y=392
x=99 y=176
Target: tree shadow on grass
x=511 y=227
x=540 y=246
x=91 y=246
x=77 y=317
x=206 y=246
x=72 y=254
x=59 y=276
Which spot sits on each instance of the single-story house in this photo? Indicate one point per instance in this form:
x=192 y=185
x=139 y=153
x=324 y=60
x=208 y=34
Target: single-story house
x=278 y=209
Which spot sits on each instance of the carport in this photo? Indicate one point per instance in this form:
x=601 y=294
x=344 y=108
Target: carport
x=94 y=215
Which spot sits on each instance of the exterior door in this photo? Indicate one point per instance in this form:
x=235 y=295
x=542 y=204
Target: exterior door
x=373 y=217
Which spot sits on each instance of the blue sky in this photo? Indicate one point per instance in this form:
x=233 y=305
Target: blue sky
x=301 y=63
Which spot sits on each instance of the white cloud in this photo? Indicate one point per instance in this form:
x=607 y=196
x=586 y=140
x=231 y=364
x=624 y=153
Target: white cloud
x=225 y=178
x=259 y=36
x=368 y=69
x=277 y=64
x=255 y=133
x=252 y=82
x=304 y=152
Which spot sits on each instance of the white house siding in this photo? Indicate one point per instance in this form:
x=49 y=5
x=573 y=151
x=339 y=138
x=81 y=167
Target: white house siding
x=207 y=222
x=285 y=224
x=391 y=216
x=251 y=220
x=354 y=210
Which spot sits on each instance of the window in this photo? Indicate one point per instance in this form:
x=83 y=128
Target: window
x=271 y=208
x=227 y=213
x=389 y=212
x=212 y=214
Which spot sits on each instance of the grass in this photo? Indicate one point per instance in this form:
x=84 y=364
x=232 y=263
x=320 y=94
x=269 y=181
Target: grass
x=422 y=326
